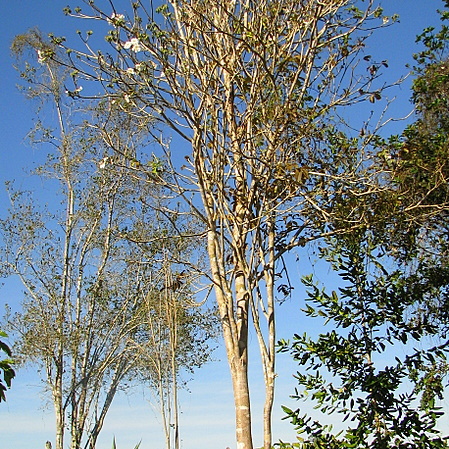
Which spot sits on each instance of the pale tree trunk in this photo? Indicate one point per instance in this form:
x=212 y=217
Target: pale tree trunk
x=172 y=313
x=65 y=287
x=235 y=333
x=95 y=432
x=267 y=344
x=164 y=404
x=242 y=403
x=239 y=367
x=59 y=415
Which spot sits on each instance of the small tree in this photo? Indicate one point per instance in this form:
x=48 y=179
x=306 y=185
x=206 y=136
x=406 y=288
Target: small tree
x=356 y=371
x=173 y=335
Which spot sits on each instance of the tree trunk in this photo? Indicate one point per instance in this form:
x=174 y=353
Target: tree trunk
x=235 y=333
x=239 y=374
x=269 y=351
x=59 y=413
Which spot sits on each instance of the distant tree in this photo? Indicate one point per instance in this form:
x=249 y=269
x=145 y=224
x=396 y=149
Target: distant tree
x=172 y=336
x=6 y=368
x=418 y=160
x=415 y=231
x=84 y=273
x=255 y=89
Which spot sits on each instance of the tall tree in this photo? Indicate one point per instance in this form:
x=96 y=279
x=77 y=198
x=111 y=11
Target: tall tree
x=254 y=88
x=76 y=321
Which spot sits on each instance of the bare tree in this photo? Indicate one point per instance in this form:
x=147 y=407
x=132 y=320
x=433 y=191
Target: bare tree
x=255 y=88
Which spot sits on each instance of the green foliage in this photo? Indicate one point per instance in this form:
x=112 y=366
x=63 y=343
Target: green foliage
x=355 y=370
x=411 y=214
x=435 y=42
x=423 y=169
x=375 y=368
x=6 y=368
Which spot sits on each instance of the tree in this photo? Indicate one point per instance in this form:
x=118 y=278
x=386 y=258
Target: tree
x=394 y=292
x=76 y=322
x=84 y=274
x=362 y=368
x=417 y=159
x=255 y=89
x=6 y=368
x=172 y=336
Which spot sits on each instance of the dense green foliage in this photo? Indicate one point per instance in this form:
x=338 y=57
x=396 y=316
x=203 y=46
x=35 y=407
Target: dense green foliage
x=366 y=369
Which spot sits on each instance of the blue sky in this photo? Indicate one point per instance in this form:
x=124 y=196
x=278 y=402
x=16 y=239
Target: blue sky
x=207 y=419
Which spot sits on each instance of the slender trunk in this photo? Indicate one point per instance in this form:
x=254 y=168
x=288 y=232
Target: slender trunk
x=235 y=333
x=175 y=414
x=65 y=285
x=173 y=313
x=93 y=436
x=268 y=359
x=165 y=411
x=58 y=404
x=268 y=412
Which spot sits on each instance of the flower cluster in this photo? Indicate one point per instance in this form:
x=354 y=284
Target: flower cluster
x=116 y=19
x=107 y=160
x=139 y=67
x=44 y=55
x=133 y=45
x=41 y=58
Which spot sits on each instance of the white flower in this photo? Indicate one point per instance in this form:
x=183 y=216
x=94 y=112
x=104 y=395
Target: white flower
x=130 y=71
x=41 y=57
x=116 y=19
x=103 y=162
x=133 y=44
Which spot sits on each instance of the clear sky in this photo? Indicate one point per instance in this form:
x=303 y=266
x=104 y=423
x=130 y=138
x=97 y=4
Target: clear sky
x=207 y=420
